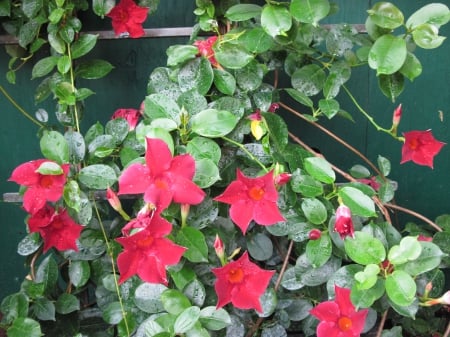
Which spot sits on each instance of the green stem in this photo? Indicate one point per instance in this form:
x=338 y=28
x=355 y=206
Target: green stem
x=18 y=107
x=72 y=82
x=242 y=147
x=109 y=249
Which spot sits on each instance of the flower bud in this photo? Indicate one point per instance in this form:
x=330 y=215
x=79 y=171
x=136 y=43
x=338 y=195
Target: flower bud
x=343 y=223
x=274 y=107
x=114 y=201
x=397 y=116
x=314 y=234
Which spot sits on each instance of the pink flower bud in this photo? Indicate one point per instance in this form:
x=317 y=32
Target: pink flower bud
x=343 y=223
x=274 y=107
x=113 y=199
x=397 y=116
x=422 y=237
x=314 y=234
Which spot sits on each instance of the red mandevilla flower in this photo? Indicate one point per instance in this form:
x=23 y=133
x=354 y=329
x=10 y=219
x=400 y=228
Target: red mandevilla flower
x=127 y=17
x=130 y=115
x=252 y=199
x=164 y=178
x=40 y=187
x=420 y=147
x=343 y=223
x=205 y=48
x=339 y=318
x=57 y=228
x=241 y=282
x=147 y=252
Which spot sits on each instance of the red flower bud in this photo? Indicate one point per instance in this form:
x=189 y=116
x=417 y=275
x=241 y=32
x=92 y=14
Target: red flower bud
x=314 y=234
x=397 y=116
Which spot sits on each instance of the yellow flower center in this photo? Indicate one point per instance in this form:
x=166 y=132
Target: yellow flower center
x=161 y=184
x=46 y=181
x=145 y=243
x=256 y=193
x=345 y=323
x=413 y=144
x=235 y=275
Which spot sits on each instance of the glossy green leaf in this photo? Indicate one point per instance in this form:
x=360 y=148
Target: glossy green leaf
x=256 y=40
x=195 y=292
x=196 y=74
x=319 y=251
x=275 y=19
x=232 y=56
x=102 y=7
x=290 y=280
x=429 y=259
x=260 y=247
x=177 y=54
x=118 y=128
x=437 y=14
x=329 y=107
x=400 y=288
x=278 y=131
x=243 y=12
x=305 y=184
x=44 y=66
x=14 y=306
x=24 y=327
x=213 y=123
x=31 y=7
x=250 y=77
x=309 y=11
x=357 y=201
x=384 y=165
x=412 y=67
x=309 y=79
x=386 y=15
x=113 y=313
x=174 y=301
x=79 y=273
x=50 y=168
x=160 y=106
x=359 y=171
x=388 y=54
x=315 y=211
x=44 y=309
x=84 y=44
x=300 y=97
x=364 y=249
x=147 y=297
x=28 y=32
x=364 y=298
x=204 y=148
x=367 y=278
x=67 y=303
x=47 y=273
x=406 y=310
x=320 y=169
x=310 y=276
x=93 y=69
x=194 y=241
x=206 y=173
x=426 y=36
x=72 y=195
x=391 y=85
x=186 y=320
x=29 y=244
x=214 y=319
x=97 y=176
x=224 y=81
x=409 y=249
x=76 y=145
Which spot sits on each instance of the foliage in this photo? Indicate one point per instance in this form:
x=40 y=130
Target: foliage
x=208 y=217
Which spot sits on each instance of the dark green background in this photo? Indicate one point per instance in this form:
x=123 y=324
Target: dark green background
x=420 y=188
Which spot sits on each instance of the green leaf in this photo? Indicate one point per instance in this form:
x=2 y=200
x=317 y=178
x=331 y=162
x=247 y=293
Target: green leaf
x=388 y=54
x=206 y=173
x=359 y=171
x=260 y=247
x=102 y=7
x=400 y=288
x=196 y=74
x=315 y=211
x=31 y=7
x=195 y=291
x=97 y=176
x=84 y=44
x=186 y=320
x=93 y=69
x=320 y=169
x=300 y=97
x=319 y=251
x=329 y=107
x=14 y=306
x=224 y=81
x=113 y=313
x=24 y=327
x=213 y=123
x=174 y=301
x=309 y=79
x=79 y=273
x=44 y=66
x=367 y=278
x=160 y=106
x=426 y=36
x=177 y=54
x=305 y=184
x=118 y=128
x=47 y=273
x=194 y=241
x=357 y=201
x=5 y=8
x=50 y=168
x=396 y=331
x=147 y=297
x=214 y=319
x=232 y=56
x=243 y=12
x=250 y=77
x=29 y=244
x=204 y=148
x=309 y=11
x=430 y=258
x=364 y=298
x=386 y=15
x=256 y=40
x=28 y=32
x=412 y=67
x=364 y=249
x=409 y=249
x=436 y=14
x=56 y=15
x=64 y=64
x=391 y=85
x=44 y=309
x=275 y=20
x=72 y=195
x=384 y=165
x=76 y=144
x=56 y=42
x=67 y=303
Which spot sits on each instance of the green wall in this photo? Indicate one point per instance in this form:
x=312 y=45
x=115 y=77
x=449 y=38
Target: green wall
x=421 y=188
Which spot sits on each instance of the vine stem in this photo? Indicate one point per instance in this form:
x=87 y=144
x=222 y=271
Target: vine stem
x=347 y=176
x=108 y=247
x=258 y=323
x=447 y=331
x=72 y=82
x=381 y=326
x=415 y=214
x=247 y=152
x=335 y=137
x=18 y=107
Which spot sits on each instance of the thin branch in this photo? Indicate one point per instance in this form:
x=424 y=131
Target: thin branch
x=415 y=214
x=447 y=331
x=381 y=326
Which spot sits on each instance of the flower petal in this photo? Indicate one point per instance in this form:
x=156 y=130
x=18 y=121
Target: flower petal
x=328 y=329
x=33 y=200
x=186 y=192
x=241 y=213
x=244 y=299
x=342 y=299
x=157 y=156
x=267 y=213
x=358 y=321
x=326 y=311
x=183 y=166
x=134 y=179
x=25 y=174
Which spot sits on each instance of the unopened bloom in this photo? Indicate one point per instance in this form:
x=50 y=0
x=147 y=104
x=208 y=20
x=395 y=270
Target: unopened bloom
x=396 y=116
x=444 y=299
x=256 y=124
x=274 y=107
x=130 y=115
x=242 y=283
x=163 y=178
x=343 y=222
x=252 y=199
x=339 y=318
x=220 y=250
x=56 y=228
x=314 y=234
x=205 y=48
x=372 y=182
x=115 y=203
x=422 y=237
x=127 y=17
x=147 y=251
x=420 y=147
x=40 y=187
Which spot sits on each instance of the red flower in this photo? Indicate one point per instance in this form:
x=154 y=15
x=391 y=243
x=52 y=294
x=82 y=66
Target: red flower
x=163 y=178
x=252 y=199
x=147 y=252
x=420 y=147
x=241 y=282
x=130 y=115
x=343 y=223
x=127 y=17
x=205 y=48
x=41 y=187
x=57 y=228
x=339 y=318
